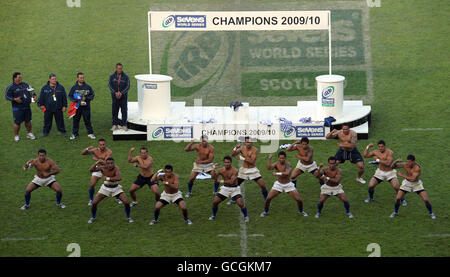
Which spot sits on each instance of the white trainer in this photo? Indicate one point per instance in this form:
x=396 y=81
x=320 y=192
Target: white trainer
x=130 y=220
x=393 y=214
x=368 y=200
x=153 y=222
x=91 y=136
x=118 y=201
x=303 y=213
x=90 y=203
x=61 y=205
x=361 y=180
x=31 y=136
x=91 y=220
x=317 y=215
x=189 y=194
x=24 y=207
x=231 y=202
x=212 y=217
x=188 y=221
x=134 y=203
x=350 y=215
x=246 y=219
x=432 y=216
x=263 y=214
x=16 y=138
x=404 y=203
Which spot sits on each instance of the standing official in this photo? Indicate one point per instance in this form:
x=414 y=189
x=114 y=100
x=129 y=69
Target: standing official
x=84 y=109
x=17 y=92
x=119 y=84
x=53 y=102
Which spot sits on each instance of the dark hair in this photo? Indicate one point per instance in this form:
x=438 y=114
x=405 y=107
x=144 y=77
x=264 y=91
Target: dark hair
x=15 y=74
x=169 y=167
x=346 y=124
x=79 y=73
x=411 y=157
x=282 y=153
x=382 y=142
x=227 y=158
x=305 y=139
x=51 y=75
x=144 y=148
x=332 y=158
x=203 y=137
x=110 y=159
x=246 y=138
x=117 y=64
x=42 y=151
x=102 y=139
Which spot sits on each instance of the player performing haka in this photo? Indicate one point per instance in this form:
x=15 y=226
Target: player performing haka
x=230 y=188
x=171 y=194
x=411 y=183
x=145 y=163
x=283 y=183
x=100 y=153
x=46 y=169
x=331 y=177
x=248 y=170
x=384 y=157
x=347 y=149
x=110 y=188
x=203 y=164
x=306 y=161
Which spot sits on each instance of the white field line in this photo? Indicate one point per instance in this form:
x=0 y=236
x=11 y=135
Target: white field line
x=422 y=129
x=21 y=239
x=438 y=235
x=243 y=227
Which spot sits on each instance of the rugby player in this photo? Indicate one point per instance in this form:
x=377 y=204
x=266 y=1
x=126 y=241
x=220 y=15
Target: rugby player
x=306 y=161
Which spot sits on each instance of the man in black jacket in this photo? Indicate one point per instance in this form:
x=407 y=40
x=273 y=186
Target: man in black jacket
x=85 y=106
x=53 y=102
x=119 y=84
x=17 y=92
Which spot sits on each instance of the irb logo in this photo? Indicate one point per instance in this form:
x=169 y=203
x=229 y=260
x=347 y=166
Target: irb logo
x=168 y=21
x=327 y=92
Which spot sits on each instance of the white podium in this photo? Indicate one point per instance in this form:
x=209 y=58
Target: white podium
x=330 y=95
x=153 y=96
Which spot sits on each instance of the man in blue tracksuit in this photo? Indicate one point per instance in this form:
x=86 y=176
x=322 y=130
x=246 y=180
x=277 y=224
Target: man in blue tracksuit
x=17 y=92
x=85 y=106
x=119 y=84
x=53 y=102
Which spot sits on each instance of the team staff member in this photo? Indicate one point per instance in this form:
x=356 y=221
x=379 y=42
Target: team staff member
x=84 y=109
x=119 y=84
x=53 y=102
x=20 y=99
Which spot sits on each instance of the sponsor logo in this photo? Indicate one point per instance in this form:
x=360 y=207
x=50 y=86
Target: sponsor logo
x=289 y=133
x=309 y=131
x=168 y=21
x=150 y=86
x=328 y=96
x=157 y=133
x=171 y=132
x=190 y=21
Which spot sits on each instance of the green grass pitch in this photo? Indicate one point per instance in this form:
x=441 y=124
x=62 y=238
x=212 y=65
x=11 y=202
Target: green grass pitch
x=410 y=67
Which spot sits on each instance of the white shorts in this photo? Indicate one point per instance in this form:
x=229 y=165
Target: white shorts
x=326 y=189
x=43 y=182
x=283 y=187
x=230 y=191
x=385 y=175
x=248 y=173
x=412 y=186
x=97 y=174
x=306 y=168
x=171 y=198
x=110 y=192
x=203 y=168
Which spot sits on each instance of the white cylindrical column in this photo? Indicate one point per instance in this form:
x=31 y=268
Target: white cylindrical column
x=153 y=96
x=330 y=95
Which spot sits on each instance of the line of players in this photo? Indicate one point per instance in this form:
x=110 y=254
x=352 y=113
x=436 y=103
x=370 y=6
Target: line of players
x=231 y=178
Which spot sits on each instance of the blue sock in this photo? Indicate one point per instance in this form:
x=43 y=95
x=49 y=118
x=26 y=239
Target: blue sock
x=321 y=183
x=58 y=198
x=396 y=206
x=91 y=194
x=94 y=212
x=295 y=182
x=319 y=208
x=216 y=186
x=403 y=199
x=429 y=208
x=300 y=210
x=117 y=196
x=347 y=207
x=190 y=185
x=27 y=199
x=371 y=192
x=214 y=210
x=127 y=211
x=266 y=210
x=156 y=213
x=244 y=211
x=186 y=218
x=264 y=193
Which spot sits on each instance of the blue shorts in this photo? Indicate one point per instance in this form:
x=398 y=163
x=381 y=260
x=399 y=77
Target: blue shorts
x=353 y=156
x=21 y=114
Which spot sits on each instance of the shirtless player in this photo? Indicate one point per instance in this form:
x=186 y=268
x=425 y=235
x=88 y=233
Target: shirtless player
x=248 y=170
x=46 y=169
x=384 y=172
x=411 y=183
x=347 y=149
x=100 y=153
x=145 y=163
x=283 y=183
x=331 y=177
x=230 y=188
x=111 y=187
x=306 y=161
x=203 y=164
x=171 y=194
